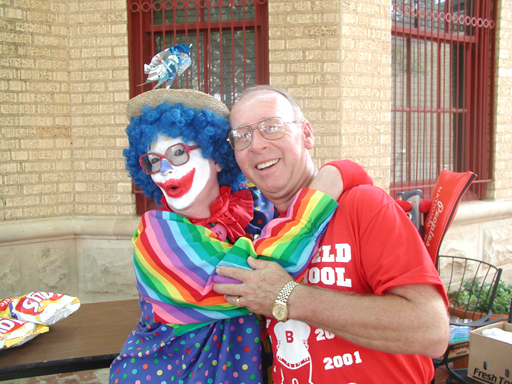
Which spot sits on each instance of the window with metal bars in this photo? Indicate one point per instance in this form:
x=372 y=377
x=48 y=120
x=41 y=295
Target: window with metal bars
x=442 y=67
x=229 y=47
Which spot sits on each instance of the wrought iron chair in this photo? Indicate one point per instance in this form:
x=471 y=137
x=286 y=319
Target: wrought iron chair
x=460 y=376
x=433 y=226
x=471 y=286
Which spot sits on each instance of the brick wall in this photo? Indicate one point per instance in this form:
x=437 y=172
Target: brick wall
x=35 y=131
x=63 y=90
x=98 y=89
x=64 y=87
x=502 y=188
x=334 y=57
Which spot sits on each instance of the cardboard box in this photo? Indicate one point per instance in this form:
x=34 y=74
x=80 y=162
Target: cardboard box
x=458 y=349
x=490 y=360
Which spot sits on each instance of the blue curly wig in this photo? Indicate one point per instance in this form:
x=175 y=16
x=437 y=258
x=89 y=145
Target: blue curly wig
x=203 y=127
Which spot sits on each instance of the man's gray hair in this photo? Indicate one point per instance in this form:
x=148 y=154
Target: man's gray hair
x=299 y=117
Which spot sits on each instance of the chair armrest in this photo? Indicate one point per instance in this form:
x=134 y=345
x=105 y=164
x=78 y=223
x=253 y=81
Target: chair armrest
x=483 y=321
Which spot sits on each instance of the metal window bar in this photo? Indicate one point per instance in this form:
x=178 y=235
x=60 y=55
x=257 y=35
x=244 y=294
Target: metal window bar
x=441 y=102
x=229 y=38
x=229 y=47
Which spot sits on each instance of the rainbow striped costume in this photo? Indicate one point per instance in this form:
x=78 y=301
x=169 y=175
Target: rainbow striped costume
x=198 y=336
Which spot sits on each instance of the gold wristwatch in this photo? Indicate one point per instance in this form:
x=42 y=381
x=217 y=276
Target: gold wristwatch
x=280 y=307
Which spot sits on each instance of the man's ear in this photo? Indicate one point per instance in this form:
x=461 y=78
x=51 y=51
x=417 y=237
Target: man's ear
x=218 y=168
x=309 y=138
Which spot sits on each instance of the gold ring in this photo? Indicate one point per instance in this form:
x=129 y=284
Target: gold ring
x=238 y=301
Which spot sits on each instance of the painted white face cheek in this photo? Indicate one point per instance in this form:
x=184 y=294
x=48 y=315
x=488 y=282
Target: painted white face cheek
x=201 y=177
x=176 y=174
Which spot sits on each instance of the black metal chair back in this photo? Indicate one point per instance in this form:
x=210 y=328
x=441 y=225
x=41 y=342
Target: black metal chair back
x=471 y=286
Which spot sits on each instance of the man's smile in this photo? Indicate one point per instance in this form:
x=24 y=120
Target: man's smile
x=267 y=164
x=176 y=188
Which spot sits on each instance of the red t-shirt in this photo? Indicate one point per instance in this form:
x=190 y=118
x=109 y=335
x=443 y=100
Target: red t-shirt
x=370 y=246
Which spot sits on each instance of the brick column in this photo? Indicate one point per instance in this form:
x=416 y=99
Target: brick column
x=334 y=57
x=502 y=186
x=99 y=91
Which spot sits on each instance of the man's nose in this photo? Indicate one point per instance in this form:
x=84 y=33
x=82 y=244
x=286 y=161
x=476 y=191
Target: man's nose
x=166 y=166
x=258 y=142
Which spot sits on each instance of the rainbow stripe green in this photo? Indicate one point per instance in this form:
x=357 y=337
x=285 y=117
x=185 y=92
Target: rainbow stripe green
x=175 y=260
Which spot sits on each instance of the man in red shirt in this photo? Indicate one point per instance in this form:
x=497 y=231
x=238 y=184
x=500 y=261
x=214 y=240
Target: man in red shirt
x=371 y=307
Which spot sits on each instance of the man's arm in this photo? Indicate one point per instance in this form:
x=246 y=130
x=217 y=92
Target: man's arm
x=409 y=319
x=337 y=176
x=399 y=306
x=329 y=181
x=175 y=260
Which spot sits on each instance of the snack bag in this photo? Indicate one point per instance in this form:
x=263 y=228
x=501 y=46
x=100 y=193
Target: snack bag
x=43 y=307
x=4 y=307
x=15 y=332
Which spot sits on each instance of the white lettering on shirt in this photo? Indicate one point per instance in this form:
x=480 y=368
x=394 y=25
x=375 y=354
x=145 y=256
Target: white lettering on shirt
x=324 y=255
x=322 y=334
x=343 y=253
x=339 y=361
x=329 y=275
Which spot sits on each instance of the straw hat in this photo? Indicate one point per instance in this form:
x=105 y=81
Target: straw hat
x=188 y=97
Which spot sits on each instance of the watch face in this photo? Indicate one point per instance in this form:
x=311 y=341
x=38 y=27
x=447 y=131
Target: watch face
x=280 y=312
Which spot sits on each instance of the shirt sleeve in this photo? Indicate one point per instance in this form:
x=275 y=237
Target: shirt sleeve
x=393 y=251
x=351 y=173
x=175 y=260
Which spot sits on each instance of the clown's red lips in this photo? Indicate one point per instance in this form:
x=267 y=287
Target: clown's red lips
x=176 y=188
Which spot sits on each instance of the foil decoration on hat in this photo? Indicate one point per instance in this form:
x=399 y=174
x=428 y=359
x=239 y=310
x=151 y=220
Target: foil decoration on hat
x=168 y=64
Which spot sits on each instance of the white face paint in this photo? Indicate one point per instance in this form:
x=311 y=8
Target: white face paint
x=183 y=183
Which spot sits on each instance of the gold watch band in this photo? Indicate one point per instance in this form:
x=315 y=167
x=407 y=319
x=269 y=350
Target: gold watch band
x=286 y=291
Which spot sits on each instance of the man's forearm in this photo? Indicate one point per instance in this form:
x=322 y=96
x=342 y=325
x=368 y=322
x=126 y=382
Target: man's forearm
x=408 y=320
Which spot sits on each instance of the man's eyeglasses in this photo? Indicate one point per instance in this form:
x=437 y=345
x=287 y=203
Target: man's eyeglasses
x=177 y=154
x=271 y=128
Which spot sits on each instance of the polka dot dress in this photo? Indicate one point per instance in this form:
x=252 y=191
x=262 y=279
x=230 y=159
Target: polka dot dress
x=226 y=351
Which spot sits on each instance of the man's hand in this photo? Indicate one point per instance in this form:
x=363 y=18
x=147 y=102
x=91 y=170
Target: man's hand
x=260 y=287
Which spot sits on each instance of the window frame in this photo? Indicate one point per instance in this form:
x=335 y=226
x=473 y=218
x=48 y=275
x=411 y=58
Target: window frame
x=473 y=132
x=141 y=48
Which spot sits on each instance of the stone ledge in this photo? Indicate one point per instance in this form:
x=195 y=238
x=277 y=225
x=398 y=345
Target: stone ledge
x=482 y=210
x=113 y=227
x=124 y=227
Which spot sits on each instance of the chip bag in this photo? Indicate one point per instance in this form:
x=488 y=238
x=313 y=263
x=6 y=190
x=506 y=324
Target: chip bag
x=4 y=307
x=14 y=332
x=42 y=307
